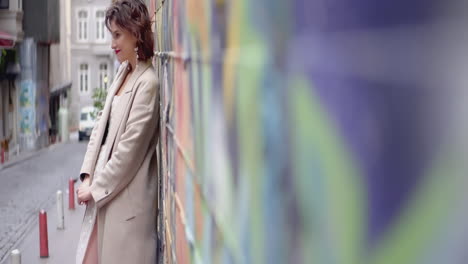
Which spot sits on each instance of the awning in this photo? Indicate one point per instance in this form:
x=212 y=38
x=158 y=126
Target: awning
x=60 y=89
x=7 y=41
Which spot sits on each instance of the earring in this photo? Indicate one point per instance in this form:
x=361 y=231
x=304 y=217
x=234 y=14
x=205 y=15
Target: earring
x=129 y=66
x=136 y=51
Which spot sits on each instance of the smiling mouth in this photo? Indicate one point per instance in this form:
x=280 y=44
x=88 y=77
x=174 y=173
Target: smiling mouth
x=117 y=51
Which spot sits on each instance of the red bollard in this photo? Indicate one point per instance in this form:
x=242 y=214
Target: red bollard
x=43 y=238
x=71 y=194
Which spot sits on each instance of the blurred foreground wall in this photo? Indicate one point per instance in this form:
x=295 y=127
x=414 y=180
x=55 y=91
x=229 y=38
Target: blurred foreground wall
x=313 y=131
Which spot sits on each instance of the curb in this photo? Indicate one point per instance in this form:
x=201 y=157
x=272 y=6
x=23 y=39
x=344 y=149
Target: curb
x=29 y=155
x=20 y=159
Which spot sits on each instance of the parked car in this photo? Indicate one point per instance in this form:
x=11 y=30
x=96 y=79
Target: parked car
x=87 y=121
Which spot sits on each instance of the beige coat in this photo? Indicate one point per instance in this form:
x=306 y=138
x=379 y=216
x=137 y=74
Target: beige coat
x=125 y=190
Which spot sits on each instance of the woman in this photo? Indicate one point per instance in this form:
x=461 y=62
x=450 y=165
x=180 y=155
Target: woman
x=119 y=172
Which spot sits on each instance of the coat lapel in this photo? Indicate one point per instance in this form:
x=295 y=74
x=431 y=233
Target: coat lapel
x=106 y=111
x=110 y=96
x=122 y=106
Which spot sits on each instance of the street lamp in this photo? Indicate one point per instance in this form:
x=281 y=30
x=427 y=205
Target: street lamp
x=105 y=82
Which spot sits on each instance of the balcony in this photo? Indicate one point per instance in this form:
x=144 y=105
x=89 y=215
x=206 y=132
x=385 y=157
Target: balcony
x=11 y=22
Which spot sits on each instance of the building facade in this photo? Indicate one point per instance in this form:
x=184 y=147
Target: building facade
x=11 y=34
x=28 y=29
x=61 y=93
x=92 y=59
x=41 y=25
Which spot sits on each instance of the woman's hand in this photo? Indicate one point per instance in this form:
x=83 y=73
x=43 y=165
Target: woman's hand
x=84 y=192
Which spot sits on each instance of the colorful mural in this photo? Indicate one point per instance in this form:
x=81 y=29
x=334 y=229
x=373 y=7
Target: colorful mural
x=311 y=132
x=27 y=103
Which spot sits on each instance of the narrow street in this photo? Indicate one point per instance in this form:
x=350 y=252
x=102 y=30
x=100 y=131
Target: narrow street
x=31 y=185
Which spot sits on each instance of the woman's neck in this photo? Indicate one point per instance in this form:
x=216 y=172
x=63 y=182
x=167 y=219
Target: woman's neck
x=133 y=63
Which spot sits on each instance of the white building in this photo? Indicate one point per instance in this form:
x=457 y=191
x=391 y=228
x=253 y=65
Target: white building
x=92 y=59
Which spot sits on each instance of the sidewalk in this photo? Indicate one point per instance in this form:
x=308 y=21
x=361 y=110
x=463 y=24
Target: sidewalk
x=62 y=243
x=22 y=157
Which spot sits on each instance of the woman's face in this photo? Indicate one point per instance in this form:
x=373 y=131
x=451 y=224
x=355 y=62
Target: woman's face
x=123 y=43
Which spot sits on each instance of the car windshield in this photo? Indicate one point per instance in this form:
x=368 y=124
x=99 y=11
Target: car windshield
x=84 y=116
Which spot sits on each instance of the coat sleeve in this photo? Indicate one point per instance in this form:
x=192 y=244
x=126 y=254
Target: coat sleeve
x=90 y=150
x=131 y=149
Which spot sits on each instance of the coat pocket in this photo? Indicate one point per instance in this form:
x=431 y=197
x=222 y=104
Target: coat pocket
x=120 y=208
x=130 y=214
x=130 y=218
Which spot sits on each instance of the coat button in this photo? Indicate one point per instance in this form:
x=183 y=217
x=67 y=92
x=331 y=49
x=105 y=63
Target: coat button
x=106 y=192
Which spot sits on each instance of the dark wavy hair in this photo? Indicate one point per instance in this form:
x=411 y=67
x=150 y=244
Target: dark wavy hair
x=133 y=16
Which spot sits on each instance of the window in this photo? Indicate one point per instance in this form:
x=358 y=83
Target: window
x=103 y=80
x=100 y=27
x=82 y=25
x=83 y=78
x=84 y=116
x=4 y=4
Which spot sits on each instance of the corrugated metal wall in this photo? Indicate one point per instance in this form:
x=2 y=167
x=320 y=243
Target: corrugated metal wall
x=311 y=131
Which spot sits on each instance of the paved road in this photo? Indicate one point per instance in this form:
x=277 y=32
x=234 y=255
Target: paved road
x=28 y=186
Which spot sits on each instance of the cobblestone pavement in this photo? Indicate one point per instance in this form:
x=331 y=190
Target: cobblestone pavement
x=29 y=186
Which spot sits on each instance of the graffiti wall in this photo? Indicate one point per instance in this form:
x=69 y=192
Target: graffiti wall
x=312 y=131
x=27 y=96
